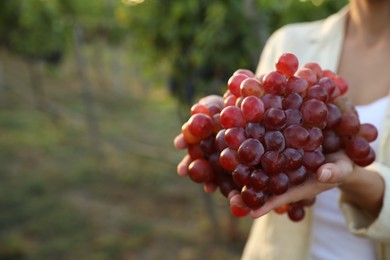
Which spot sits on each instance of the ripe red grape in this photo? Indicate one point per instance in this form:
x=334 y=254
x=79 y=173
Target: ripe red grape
x=287 y=64
x=274 y=82
x=250 y=151
x=253 y=109
x=200 y=170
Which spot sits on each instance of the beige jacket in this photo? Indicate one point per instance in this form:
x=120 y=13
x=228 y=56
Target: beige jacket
x=274 y=236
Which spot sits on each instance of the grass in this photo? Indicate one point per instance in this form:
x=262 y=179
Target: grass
x=61 y=198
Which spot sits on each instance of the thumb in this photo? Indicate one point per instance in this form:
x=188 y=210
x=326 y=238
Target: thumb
x=333 y=173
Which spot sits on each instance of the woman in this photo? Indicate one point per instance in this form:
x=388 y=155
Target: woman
x=356 y=44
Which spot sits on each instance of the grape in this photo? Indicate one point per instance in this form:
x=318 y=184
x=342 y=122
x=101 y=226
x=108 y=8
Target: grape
x=296 y=85
x=234 y=137
x=293 y=117
x=368 y=132
x=200 y=170
x=334 y=116
x=238 y=207
x=331 y=142
x=232 y=117
x=296 y=136
x=314 y=112
x=271 y=100
x=274 y=140
x=220 y=142
x=287 y=64
x=229 y=159
x=349 y=125
x=315 y=67
x=273 y=133
x=296 y=212
x=357 y=148
x=317 y=92
x=195 y=151
x=230 y=100
x=367 y=160
x=208 y=145
x=328 y=74
x=278 y=183
x=292 y=101
x=216 y=123
x=315 y=139
x=274 y=82
x=239 y=101
x=313 y=160
x=308 y=75
x=214 y=109
x=255 y=130
x=241 y=174
x=188 y=136
x=199 y=108
x=258 y=179
x=282 y=209
x=341 y=84
x=251 y=87
x=328 y=84
x=234 y=83
x=200 y=125
x=253 y=199
x=274 y=118
x=297 y=176
x=250 y=151
x=225 y=183
x=246 y=72
x=293 y=159
x=253 y=109
x=272 y=162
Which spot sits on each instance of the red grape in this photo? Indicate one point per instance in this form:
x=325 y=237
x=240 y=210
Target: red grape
x=200 y=125
x=274 y=82
x=253 y=109
x=232 y=117
x=250 y=151
x=253 y=199
x=234 y=137
x=200 y=170
x=251 y=87
x=234 y=83
x=287 y=64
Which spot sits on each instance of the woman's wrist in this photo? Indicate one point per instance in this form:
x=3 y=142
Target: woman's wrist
x=364 y=189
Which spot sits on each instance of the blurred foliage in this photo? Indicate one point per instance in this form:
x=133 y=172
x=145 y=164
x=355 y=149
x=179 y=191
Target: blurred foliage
x=205 y=41
x=200 y=42
x=42 y=29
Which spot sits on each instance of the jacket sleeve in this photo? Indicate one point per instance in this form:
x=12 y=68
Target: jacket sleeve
x=362 y=224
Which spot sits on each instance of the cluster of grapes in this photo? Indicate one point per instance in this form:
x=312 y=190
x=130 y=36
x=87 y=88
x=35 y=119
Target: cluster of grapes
x=273 y=133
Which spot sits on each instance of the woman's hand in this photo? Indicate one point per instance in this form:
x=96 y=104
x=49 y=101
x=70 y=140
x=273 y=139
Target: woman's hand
x=337 y=170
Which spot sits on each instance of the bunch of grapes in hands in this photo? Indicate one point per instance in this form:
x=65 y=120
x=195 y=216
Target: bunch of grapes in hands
x=273 y=132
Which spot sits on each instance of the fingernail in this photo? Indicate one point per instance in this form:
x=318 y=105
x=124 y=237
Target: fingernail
x=325 y=175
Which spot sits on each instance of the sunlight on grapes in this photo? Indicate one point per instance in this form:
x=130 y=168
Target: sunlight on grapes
x=132 y=2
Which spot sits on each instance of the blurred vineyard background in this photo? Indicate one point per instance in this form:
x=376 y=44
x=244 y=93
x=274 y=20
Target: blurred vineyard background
x=92 y=94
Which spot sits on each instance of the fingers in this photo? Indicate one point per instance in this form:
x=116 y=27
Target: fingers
x=179 y=142
x=297 y=193
x=337 y=171
x=183 y=165
x=210 y=187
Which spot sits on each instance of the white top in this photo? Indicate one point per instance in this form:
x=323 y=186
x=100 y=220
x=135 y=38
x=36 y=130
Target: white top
x=329 y=223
